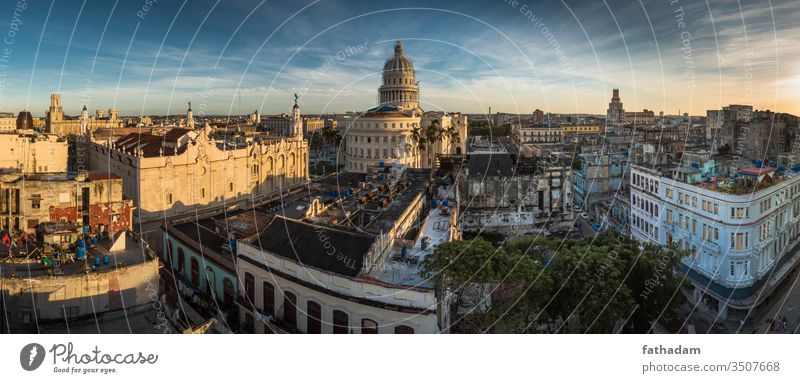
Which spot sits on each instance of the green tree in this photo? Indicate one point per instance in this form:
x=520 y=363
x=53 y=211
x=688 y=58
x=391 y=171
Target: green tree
x=608 y=283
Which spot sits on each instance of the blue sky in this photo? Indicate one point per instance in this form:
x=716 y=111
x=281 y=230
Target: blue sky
x=559 y=56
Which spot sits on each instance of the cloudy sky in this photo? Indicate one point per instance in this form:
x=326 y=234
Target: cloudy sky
x=559 y=56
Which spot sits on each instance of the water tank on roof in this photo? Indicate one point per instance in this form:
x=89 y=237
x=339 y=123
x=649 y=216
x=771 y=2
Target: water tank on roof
x=758 y=163
x=80 y=253
x=433 y=202
x=695 y=165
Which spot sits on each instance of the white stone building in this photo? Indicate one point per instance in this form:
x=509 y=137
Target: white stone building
x=390 y=132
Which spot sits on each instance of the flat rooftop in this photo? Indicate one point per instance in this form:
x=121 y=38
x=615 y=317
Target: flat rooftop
x=31 y=267
x=404 y=267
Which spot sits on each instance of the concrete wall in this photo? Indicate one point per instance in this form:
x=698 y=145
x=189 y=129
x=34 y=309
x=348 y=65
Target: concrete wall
x=79 y=295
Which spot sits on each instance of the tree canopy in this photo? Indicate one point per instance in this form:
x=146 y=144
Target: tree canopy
x=599 y=285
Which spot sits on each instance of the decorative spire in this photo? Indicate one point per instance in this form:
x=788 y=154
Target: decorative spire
x=190 y=107
x=398 y=48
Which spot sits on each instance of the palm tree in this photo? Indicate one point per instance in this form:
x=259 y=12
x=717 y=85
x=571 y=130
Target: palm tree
x=452 y=135
x=433 y=134
x=418 y=140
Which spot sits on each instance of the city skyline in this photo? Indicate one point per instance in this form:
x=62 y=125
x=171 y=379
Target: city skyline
x=234 y=58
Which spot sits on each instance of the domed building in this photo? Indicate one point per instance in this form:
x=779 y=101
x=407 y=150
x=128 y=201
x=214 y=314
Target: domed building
x=400 y=88
x=384 y=135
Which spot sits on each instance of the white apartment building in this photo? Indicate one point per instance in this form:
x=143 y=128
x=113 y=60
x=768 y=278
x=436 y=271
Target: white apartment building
x=739 y=236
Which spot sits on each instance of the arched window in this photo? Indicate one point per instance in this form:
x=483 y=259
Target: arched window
x=181 y=260
x=314 y=311
x=290 y=309
x=249 y=287
x=403 y=330
x=341 y=322
x=268 y=292
x=369 y=326
x=227 y=286
x=195 y=272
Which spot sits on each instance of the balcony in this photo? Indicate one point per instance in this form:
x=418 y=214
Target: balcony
x=740 y=253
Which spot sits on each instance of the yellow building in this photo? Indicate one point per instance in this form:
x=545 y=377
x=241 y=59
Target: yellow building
x=28 y=153
x=62 y=125
x=184 y=171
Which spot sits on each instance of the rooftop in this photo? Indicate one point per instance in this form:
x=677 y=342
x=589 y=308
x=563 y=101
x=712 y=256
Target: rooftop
x=404 y=267
x=34 y=266
x=322 y=247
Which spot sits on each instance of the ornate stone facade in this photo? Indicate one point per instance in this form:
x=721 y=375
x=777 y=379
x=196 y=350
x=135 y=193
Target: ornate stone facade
x=185 y=171
x=59 y=124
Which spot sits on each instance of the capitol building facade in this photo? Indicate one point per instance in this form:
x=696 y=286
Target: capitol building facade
x=385 y=135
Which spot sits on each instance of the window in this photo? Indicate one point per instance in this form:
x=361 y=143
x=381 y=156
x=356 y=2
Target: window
x=249 y=287
x=268 y=304
x=369 y=326
x=36 y=200
x=403 y=330
x=227 y=287
x=230 y=187
x=202 y=192
x=341 y=322
x=740 y=240
x=169 y=198
x=290 y=309
x=313 y=325
x=195 y=272
x=181 y=260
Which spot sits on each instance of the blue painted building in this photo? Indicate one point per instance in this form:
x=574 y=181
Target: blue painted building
x=201 y=255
